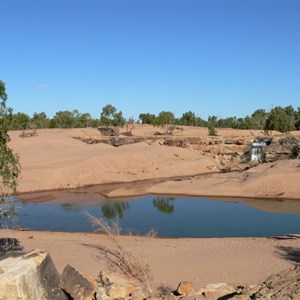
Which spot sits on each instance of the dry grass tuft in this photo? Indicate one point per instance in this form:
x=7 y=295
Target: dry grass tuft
x=120 y=257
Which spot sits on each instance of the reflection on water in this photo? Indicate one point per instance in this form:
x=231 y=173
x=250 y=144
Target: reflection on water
x=172 y=217
x=164 y=204
x=71 y=207
x=115 y=210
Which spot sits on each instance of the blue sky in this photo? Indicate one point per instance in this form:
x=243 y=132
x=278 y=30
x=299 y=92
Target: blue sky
x=219 y=58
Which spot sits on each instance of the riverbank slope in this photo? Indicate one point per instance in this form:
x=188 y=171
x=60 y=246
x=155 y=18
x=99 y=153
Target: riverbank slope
x=53 y=159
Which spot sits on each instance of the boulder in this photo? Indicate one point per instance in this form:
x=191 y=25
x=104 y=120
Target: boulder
x=31 y=276
x=185 y=288
x=247 y=293
x=217 y=290
x=114 y=287
x=75 y=284
x=138 y=295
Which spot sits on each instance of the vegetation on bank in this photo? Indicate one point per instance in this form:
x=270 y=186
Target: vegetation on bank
x=9 y=161
x=282 y=119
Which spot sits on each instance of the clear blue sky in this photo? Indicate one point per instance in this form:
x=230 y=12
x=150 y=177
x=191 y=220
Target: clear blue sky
x=219 y=58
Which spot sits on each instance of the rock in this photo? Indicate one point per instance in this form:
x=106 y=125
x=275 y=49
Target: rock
x=253 y=163
x=171 y=297
x=109 y=131
x=282 y=286
x=101 y=294
x=285 y=285
x=117 y=142
x=31 y=276
x=229 y=141
x=241 y=297
x=246 y=293
x=185 y=288
x=76 y=284
x=114 y=287
x=138 y=295
x=240 y=142
x=217 y=290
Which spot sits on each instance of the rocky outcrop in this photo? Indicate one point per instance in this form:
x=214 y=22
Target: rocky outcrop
x=229 y=152
x=285 y=285
x=31 y=276
x=223 y=150
x=278 y=148
x=113 y=141
x=283 y=148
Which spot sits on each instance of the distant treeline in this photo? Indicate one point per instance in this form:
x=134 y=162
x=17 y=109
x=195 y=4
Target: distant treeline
x=282 y=119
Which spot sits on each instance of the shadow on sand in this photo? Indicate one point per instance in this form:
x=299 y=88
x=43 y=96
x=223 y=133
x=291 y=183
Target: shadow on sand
x=291 y=254
x=10 y=247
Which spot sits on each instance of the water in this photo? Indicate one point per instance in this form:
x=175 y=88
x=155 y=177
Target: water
x=256 y=154
x=170 y=217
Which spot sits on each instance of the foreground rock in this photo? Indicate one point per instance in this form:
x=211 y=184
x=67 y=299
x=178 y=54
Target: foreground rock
x=185 y=288
x=282 y=286
x=218 y=290
x=76 y=285
x=285 y=285
x=34 y=276
x=116 y=287
x=31 y=276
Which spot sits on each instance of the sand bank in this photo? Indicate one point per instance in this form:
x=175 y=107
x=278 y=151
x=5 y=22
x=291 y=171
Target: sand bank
x=202 y=261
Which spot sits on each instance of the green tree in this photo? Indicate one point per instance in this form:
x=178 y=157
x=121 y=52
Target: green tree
x=188 y=119
x=164 y=120
x=110 y=117
x=211 y=125
x=64 y=119
x=40 y=120
x=107 y=115
x=279 y=120
x=297 y=119
x=248 y=122
x=20 y=121
x=118 y=120
x=81 y=120
x=147 y=118
x=93 y=123
x=227 y=122
x=240 y=123
x=52 y=123
x=293 y=115
x=9 y=161
x=258 y=119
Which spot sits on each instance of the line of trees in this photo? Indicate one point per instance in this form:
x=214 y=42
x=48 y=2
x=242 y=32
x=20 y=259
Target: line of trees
x=282 y=119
